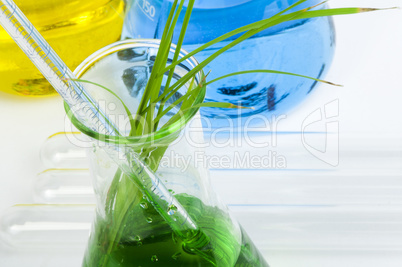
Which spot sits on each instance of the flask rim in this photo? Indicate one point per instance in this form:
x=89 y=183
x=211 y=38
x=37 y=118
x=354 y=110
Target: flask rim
x=151 y=138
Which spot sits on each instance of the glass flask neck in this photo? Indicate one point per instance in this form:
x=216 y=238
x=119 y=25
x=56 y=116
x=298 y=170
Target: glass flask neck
x=91 y=68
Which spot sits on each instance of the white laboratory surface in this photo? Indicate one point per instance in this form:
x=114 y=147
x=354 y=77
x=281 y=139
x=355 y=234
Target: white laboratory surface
x=366 y=117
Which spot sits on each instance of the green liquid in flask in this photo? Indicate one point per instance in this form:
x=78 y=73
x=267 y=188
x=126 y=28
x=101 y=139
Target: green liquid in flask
x=147 y=240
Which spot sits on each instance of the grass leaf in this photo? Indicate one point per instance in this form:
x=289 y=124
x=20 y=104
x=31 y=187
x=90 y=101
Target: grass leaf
x=219 y=105
x=130 y=116
x=175 y=57
x=270 y=71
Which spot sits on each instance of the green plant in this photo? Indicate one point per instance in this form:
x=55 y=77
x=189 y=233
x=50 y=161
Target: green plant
x=148 y=106
x=123 y=195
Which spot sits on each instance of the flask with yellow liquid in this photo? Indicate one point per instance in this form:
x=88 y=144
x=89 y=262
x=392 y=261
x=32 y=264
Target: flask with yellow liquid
x=74 y=29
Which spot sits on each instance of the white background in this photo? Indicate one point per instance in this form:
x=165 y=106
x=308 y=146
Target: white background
x=368 y=62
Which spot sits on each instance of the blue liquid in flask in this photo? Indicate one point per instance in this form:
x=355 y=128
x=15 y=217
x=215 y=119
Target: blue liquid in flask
x=302 y=46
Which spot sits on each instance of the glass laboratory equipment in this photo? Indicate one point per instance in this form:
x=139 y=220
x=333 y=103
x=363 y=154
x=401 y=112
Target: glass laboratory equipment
x=194 y=228
x=302 y=46
x=74 y=29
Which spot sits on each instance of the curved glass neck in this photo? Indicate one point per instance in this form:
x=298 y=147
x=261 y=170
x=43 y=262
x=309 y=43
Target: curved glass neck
x=124 y=68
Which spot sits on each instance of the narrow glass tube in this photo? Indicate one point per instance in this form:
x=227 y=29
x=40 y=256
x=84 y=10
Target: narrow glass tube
x=35 y=226
x=272 y=227
x=63 y=186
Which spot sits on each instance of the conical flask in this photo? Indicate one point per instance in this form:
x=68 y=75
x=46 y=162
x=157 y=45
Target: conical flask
x=129 y=229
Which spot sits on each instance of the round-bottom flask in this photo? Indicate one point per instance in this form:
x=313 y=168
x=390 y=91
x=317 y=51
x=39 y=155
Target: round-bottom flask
x=303 y=47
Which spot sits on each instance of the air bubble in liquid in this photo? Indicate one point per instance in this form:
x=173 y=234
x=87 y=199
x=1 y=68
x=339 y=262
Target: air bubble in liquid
x=172 y=209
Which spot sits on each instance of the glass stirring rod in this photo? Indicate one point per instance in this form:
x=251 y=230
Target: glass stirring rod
x=86 y=110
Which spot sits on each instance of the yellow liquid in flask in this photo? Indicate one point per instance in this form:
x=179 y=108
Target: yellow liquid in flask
x=73 y=28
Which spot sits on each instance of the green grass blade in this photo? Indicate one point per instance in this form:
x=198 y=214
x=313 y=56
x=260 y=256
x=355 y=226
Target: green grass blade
x=218 y=105
x=181 y=39
x=202 y=78
x=248 y=27
x=132 y=125
x=163 y=41
x=274 y=20
x=175 y=57
x=187 y=99
x=266 y=23
x=158 y=75
x=240 y=39
x=160 y=63
x=288 y=8
x=303 y=14
x=270 y=71
x=337 y=12
x=183 y=98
